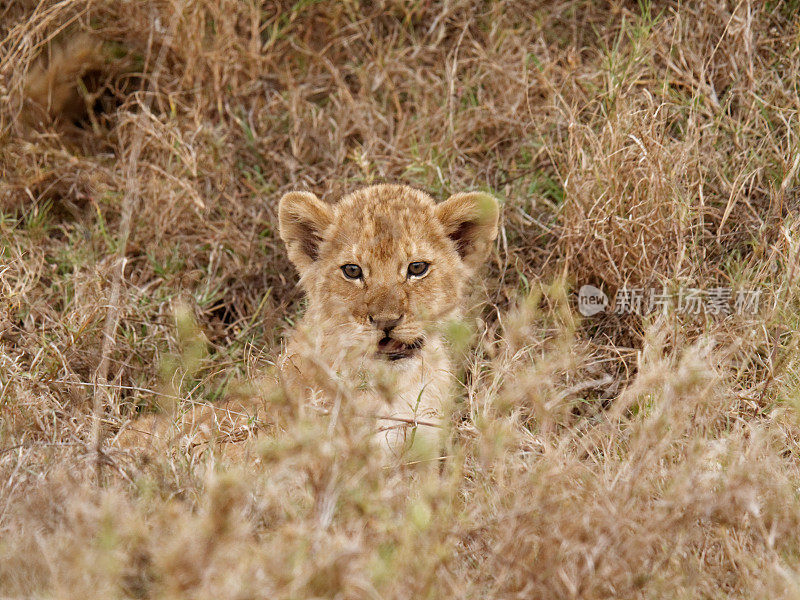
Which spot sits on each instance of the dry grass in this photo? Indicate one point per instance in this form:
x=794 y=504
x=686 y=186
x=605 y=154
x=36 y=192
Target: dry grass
x=143 y=148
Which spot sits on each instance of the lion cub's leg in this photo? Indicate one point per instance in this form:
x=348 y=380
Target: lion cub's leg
x=198 y=428
x=412 y=424
x=412 y=438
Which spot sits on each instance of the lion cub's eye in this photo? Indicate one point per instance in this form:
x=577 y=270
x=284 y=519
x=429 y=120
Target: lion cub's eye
x=351 y=271
x=418 y=269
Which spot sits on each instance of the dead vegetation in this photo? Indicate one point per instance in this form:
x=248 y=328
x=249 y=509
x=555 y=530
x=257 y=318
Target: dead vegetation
x=143 y=149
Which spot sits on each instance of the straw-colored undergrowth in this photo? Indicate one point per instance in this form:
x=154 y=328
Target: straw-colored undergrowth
x=143 y=149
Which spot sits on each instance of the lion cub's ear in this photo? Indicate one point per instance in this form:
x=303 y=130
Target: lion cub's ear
x=303 y=219
x=470 y=220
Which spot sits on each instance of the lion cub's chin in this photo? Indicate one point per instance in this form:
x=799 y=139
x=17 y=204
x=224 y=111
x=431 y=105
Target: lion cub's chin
x=393 y=349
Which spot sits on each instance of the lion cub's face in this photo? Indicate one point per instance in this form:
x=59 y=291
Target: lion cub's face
x=385 y=263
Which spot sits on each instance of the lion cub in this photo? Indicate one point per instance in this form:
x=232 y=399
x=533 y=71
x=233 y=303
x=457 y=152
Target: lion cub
x=383 y=269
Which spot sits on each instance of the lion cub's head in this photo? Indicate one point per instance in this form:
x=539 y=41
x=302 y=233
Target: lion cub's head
x=386 y=262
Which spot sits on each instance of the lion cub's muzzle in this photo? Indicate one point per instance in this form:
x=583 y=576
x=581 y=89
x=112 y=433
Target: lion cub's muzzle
x=389 y=346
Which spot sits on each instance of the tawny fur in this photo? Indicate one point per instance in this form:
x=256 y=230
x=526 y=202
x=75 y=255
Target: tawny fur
x=332 y=355
x=52 y=87
x=382 y=229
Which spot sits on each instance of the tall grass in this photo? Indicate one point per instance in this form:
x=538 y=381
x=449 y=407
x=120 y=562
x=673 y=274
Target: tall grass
x=143 y=148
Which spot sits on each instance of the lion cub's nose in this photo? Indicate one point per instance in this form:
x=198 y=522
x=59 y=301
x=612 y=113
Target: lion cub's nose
x=385 y=323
